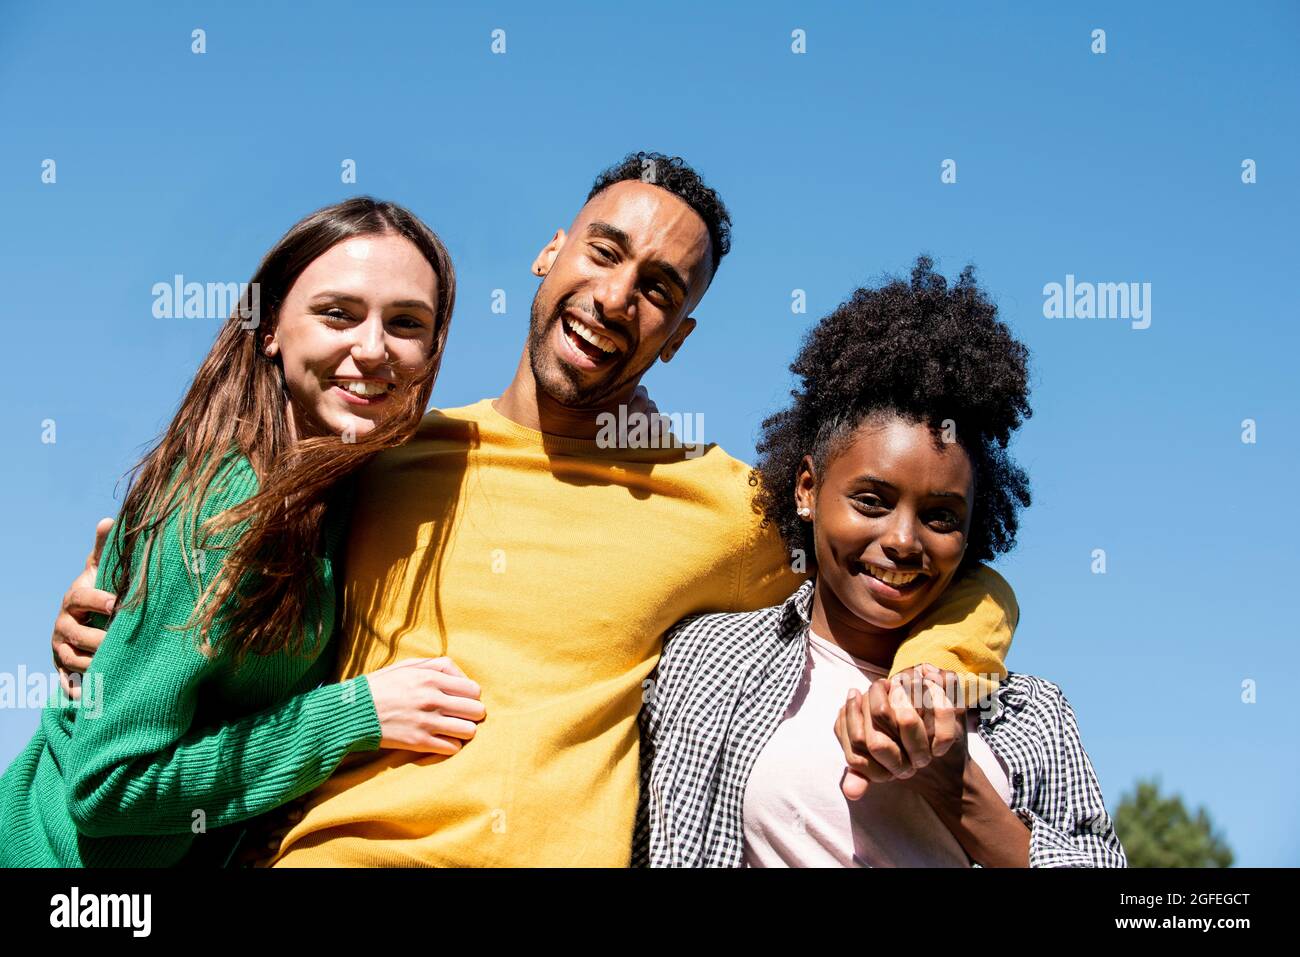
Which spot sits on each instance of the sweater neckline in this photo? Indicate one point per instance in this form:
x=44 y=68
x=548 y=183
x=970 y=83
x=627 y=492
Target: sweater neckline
x=534 y=436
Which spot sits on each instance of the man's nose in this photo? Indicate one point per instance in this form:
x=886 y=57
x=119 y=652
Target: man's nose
x=615 y=293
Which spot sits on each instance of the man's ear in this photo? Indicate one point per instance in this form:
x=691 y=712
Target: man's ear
x=675 y=341
x=546 y=258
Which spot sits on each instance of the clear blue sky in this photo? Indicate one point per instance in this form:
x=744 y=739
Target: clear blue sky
x=1119 y=167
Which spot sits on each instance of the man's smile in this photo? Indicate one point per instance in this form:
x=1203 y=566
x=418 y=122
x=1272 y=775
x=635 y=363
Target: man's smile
x=587 y=347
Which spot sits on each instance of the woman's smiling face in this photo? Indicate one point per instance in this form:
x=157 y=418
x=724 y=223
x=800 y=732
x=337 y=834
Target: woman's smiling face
x=356 y=327
x=891 y=516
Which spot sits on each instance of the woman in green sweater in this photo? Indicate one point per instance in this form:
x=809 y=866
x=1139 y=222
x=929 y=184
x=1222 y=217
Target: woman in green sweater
x=204 y=706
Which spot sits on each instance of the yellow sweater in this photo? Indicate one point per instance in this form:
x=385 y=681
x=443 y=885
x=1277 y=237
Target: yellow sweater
x=548 y=569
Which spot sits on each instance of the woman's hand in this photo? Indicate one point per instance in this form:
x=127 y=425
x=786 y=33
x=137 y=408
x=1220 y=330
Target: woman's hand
x=888 y=739
x=425 y=704
x=900 y=727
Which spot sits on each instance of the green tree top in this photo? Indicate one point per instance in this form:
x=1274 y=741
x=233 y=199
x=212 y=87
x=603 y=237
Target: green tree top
x=1157 y=831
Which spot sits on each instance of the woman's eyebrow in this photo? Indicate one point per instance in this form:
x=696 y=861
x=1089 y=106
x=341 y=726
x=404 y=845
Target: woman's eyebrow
x=875 y=480
x=348 y=297
x=338 y=297
x=413 y=304
x=957 y=495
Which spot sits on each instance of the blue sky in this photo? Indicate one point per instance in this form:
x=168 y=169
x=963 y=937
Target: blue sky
x=1115 y=167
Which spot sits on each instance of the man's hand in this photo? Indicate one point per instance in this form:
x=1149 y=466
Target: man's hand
x=642 y=403
x=944 y=776
x=74 y=641
x=264 y=835
x=898 y=728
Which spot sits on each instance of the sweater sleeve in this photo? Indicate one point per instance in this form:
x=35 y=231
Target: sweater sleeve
x=767 y=573
x=138 y=765
x=967 y=631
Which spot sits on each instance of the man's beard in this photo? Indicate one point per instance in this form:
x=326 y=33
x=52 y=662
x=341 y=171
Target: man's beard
x=556 y=378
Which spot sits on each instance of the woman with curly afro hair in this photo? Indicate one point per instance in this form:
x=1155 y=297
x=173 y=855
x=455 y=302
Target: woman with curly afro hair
x=778 y=737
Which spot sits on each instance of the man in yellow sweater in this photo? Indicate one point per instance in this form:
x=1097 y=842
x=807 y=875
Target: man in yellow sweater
x=549 y=567
x=547 y=561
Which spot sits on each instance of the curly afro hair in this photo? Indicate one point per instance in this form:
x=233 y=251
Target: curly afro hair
x=923 y=350
x=675 y=175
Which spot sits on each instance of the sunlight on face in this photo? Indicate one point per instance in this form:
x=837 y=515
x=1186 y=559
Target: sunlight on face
x=618 y=289
x=355 y=329
x=892 y=519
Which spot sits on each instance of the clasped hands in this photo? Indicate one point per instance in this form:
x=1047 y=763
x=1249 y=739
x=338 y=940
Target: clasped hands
x=905 y=728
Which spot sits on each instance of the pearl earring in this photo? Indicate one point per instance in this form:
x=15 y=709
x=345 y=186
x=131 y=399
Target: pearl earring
x=805 y=512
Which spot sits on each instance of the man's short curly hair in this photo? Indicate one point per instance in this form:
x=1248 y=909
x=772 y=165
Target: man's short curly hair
x=923 y=350
x=675 y=175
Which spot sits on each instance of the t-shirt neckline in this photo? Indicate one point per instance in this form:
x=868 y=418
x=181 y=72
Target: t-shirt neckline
x=834 y=649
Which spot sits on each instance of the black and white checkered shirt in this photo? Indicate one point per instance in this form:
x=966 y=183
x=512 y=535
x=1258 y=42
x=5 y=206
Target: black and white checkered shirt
x=722 y=687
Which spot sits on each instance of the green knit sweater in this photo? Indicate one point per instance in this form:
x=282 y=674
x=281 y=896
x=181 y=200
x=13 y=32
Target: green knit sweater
x=167 y=744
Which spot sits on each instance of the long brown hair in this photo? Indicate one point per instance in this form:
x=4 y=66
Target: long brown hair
x=263 y=593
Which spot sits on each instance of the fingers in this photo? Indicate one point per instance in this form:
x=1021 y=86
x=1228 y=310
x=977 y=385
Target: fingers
x=897 y=728
x=856 y=734
x=81 y=601
x=71 y=674
x=82 y=638
x=641 y=402
x=946 y=719
x=73 y=642
x=854 y=738
x=448 y=678
x=883 y=746
x=911 y=726
x=278 y=834
x=455 y=687
x=67 y=658
x=101 y=536
x=471 y=709
x=941 y=689
x=440 y=745
x=427 y=705
x=435 y=745
x=70 y=687
x=448 y=727
x=918 y=694
x=949 y=681
x=447 y=666
x=853 y=785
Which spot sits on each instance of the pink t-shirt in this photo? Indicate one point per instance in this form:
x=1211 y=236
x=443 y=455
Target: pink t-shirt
x=795 y=813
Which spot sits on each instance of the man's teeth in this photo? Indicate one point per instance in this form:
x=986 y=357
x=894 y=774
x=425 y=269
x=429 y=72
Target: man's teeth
x=891 y=577
x=603 y=343
x=365 y=388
